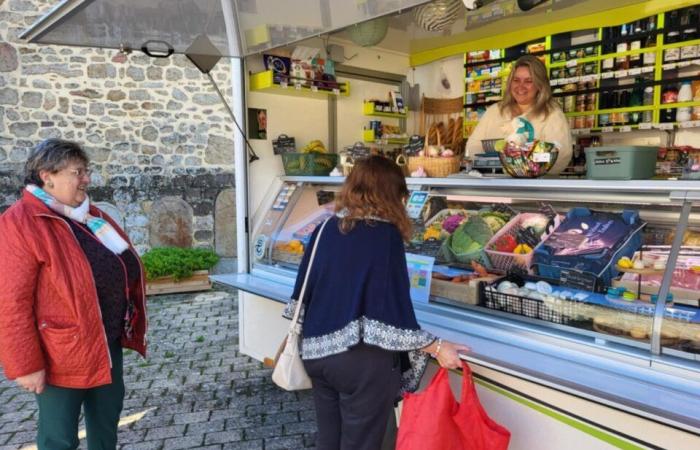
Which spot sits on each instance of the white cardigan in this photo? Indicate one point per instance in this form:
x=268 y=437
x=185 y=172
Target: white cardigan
x=494 y=125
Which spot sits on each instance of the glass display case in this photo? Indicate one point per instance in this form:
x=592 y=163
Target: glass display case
x=558 y=256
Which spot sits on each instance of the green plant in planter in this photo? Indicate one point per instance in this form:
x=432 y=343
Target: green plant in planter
x=177 y=262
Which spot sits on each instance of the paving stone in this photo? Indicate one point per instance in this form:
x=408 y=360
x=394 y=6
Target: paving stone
x=183 y=442
x=284 y=443
x=224 y=437
x=165 y=432
x=206 y=396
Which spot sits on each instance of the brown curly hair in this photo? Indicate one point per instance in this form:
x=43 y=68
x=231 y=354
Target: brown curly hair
x=376 y=187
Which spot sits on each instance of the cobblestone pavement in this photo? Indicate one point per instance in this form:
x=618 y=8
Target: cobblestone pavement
x=195 y=391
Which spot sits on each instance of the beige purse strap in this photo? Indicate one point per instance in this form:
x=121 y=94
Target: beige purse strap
x=295 y=319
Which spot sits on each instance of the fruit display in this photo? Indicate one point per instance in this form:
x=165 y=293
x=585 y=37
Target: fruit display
x=468 y=240
x=528 y=160
x=314 y=146
x=288 y=251
x=444 y=223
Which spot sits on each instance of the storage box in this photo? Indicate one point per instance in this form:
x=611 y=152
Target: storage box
x=460 y=292
x=634 y=162
x=318 y=164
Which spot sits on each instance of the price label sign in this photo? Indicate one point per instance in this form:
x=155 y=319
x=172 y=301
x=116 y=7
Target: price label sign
x=584 y=131
x=283 y=84
x=606 y=75
x=620 y=74
x=607 y=129
x=297 y=86
x=645 y=126
x=314 y=88
x=635 y=71
x=648 y=69
x=665 y=126
x=689 y=124
x=572 y=63
x=625 y=129
x=541 y=157
x=336 y=91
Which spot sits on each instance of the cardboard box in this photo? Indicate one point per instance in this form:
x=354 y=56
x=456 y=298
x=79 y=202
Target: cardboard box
x=460 y=292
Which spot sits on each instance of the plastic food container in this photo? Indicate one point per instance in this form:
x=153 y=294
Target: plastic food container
x=632 y=162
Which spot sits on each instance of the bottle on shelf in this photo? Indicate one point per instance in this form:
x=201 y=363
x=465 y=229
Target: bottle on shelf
x=669 y=95
x=622 y=62
x=648 y=99
x=685 y=94
x=636 y=100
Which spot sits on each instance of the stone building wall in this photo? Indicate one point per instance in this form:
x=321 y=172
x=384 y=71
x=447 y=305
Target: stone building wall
x=155 y=129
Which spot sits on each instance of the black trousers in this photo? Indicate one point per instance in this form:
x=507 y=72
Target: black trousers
x=354 y=394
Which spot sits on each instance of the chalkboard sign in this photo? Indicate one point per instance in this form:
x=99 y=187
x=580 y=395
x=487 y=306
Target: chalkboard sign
x=579 y=280
x=414 y=146
x=357 y=151
x=283 y=144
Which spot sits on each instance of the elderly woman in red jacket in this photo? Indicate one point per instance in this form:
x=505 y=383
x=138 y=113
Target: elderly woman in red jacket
x=72 y=296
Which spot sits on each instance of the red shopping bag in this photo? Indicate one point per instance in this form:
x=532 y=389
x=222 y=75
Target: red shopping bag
x=433 y=420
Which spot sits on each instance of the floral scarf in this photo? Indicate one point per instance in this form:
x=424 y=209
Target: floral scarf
x=102 y=230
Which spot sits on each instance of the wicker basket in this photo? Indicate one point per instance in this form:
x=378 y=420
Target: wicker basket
x=434 y=167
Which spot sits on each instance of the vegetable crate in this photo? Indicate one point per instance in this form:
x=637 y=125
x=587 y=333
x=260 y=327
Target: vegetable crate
x=304 y=164
x=563 y=313
x=505 y=261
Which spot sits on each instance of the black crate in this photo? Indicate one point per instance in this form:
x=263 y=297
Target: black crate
x=566 y=311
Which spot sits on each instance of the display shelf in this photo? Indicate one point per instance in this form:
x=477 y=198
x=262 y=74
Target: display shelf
x=680 y=64
x=368 y=110
x=681 y=44
x=573 y=62
x=368 y=136
x=265 y=82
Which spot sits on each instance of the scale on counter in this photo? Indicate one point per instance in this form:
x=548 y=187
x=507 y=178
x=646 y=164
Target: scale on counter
x=487 y=162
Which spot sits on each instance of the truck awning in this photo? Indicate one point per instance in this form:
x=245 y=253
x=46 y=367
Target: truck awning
x=236 y=28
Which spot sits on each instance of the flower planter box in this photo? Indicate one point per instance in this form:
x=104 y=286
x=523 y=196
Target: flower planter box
x=199 y=281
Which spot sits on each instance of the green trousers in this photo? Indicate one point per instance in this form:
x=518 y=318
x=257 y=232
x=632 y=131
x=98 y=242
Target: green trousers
x=59 y=412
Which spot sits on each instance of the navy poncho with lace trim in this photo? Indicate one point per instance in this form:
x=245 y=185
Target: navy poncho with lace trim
x=358 y=291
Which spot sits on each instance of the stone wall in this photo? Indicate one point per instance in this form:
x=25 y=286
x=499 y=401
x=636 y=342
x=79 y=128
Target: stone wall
x=154 y=128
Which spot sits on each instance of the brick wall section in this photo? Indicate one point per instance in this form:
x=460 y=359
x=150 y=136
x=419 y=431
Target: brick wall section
x=152 y=127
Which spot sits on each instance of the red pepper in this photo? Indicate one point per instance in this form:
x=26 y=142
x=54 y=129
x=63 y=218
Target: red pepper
x=506 y=244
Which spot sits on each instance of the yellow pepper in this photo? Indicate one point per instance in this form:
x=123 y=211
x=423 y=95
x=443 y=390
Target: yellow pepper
x=522 y=249
x=431 y=233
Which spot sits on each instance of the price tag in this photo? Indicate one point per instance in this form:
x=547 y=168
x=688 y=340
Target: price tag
x=607 y=129
x=625 y=129
x=635 y=71
x=588 y=78
x=645 y=126
x=684 y=64
x=541 y=157
x=620 y=74
x=665 y=126
x=283 y=84
x=574 y=132
x=689 y=124
x=584 y=131
x=336 y=91
x=648 y=69
x=606 y=75
x=314 y=88
x=669 y=66
x=297 y=86
x=572 y=63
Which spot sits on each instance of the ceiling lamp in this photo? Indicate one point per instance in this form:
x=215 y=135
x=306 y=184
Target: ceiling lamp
x=367 y=34
x=438 y=15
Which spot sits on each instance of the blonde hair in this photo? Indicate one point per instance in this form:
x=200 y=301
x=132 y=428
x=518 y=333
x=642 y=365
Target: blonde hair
x=544 y=102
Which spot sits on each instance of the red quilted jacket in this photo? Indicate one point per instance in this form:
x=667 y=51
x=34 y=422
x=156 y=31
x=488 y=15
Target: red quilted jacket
x=49 y=312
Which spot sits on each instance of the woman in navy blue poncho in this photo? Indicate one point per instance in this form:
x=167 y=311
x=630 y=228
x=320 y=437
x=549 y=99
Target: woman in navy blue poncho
x=361 y=343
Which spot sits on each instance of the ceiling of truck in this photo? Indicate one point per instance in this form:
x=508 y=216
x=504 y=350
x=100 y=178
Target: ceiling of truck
x=234 y=27
x=239 y=28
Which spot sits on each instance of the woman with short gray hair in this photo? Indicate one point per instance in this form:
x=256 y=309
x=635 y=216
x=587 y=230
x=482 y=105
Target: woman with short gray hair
x=73 y=295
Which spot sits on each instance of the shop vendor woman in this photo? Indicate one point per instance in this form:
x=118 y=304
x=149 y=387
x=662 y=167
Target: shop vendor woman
x=527 y=94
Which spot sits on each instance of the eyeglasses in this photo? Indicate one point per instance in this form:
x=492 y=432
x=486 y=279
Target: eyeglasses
x=80 y=173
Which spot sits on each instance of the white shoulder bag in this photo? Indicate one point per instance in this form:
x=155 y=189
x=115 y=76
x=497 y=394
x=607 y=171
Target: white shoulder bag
x=289 y=372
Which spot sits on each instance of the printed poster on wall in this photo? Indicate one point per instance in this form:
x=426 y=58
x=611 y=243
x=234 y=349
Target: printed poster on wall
x=420 y=269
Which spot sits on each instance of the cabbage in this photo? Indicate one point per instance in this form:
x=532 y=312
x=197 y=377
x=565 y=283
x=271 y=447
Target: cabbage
x=471 y=236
